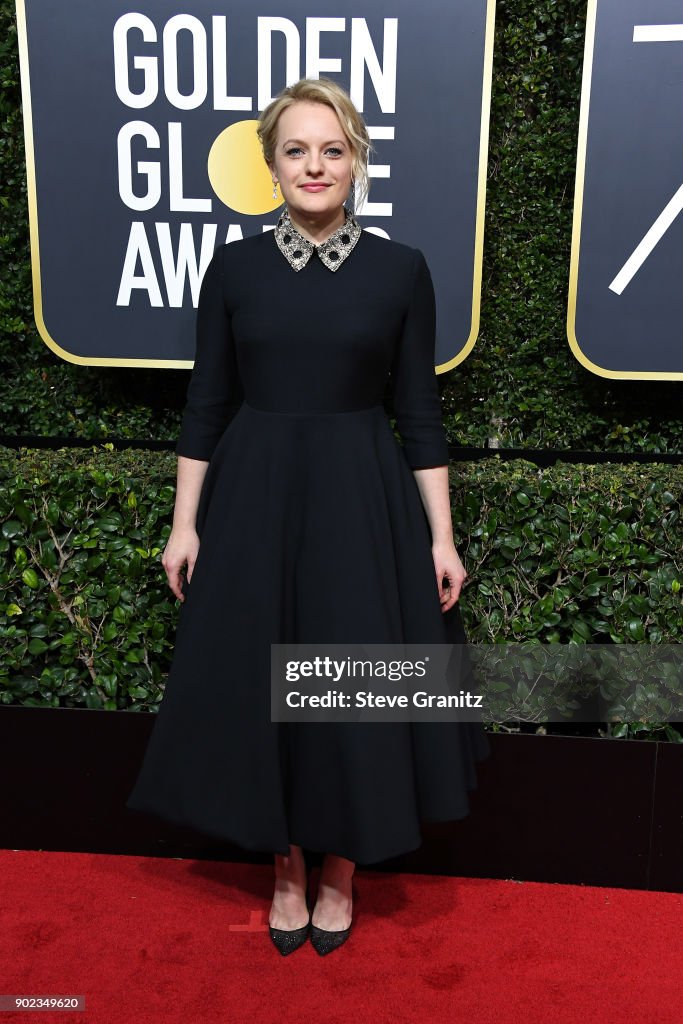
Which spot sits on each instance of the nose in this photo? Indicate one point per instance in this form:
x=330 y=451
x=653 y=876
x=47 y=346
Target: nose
x=313 y=163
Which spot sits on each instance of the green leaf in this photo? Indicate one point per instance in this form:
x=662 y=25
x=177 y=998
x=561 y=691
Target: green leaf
x=30 y=578
x=11 y=528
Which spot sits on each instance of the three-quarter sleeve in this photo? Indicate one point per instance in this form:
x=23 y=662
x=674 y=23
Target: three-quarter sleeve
x=413 y=383
x=215 y=392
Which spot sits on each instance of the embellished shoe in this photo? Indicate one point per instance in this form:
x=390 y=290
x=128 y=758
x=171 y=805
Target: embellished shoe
x=324 y=942
x=287 y=940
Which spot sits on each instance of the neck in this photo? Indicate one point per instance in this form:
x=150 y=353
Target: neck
x=318 y=227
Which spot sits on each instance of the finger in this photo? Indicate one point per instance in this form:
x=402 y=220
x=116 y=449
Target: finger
x=175 y=583
x=452 y=593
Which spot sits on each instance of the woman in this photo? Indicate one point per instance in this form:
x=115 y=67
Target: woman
x=301 y=518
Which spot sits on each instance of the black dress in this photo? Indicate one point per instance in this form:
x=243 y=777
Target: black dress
x=312 y=530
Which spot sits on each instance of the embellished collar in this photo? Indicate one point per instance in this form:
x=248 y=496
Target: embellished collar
x=333 y=251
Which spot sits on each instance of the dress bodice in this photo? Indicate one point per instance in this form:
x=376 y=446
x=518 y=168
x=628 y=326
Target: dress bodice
x=315 y=341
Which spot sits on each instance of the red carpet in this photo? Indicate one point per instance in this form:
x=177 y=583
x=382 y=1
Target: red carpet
x=166 y=941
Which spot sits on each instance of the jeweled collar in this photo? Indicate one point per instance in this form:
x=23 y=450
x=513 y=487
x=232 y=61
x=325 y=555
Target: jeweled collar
x=333 y=251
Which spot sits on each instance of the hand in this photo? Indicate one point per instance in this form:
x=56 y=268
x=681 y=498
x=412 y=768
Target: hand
x=447 y=563
x=182 y=547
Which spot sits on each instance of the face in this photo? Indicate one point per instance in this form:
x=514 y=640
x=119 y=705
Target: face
x=313 y=159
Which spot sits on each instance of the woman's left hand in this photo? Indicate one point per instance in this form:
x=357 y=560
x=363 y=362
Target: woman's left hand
x=447 y=563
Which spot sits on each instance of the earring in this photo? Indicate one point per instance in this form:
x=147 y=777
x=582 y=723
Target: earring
x=275 y=190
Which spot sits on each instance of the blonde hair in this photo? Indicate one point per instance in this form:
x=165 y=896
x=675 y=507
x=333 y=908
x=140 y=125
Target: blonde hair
x=322 y=90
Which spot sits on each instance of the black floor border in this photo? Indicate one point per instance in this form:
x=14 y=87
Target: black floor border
x=573 y=810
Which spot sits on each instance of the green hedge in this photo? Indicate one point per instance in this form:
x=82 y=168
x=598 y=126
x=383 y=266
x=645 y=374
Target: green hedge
x=520 y=386
x=558 y=555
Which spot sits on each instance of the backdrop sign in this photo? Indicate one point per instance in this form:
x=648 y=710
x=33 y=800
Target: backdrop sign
x=625 y=297
x=142 y=153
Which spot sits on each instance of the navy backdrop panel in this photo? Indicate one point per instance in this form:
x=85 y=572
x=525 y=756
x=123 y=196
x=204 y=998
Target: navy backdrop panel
x=629 y=300
x=84 y=226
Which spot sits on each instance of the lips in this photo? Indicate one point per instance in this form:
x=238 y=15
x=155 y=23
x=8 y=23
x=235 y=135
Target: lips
x=314 y=187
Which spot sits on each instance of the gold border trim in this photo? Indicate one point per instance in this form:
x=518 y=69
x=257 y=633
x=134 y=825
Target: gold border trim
x=601 y=371
x=481 y=190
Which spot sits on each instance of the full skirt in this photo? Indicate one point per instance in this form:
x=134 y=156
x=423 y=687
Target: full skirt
x=312 y=530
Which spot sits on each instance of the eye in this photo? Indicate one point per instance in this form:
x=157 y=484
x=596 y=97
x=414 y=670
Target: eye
x=334 y=150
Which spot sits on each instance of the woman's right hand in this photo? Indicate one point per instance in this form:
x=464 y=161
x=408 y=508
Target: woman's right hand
x=182 y=548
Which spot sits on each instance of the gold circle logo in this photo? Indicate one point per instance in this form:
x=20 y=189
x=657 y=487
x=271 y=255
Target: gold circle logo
x=238 y=173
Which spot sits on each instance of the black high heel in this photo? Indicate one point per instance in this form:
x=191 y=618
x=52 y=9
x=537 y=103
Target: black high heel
x=325 y=942
x=287 y=940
